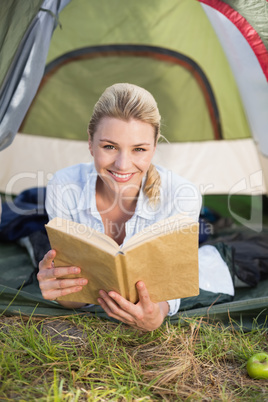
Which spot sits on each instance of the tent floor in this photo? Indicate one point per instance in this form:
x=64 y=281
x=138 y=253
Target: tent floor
x=248 y=309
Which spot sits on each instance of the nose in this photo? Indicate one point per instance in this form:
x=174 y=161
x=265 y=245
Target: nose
x=123 y=161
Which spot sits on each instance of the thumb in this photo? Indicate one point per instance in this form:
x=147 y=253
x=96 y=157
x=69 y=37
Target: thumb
x=143 y=293
x=47 y=260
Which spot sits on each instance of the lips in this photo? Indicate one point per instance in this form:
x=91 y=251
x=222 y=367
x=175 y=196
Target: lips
x=121 y=176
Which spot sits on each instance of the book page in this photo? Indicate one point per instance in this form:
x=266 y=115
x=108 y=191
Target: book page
x=99 y=267
x=172 y=224
x=85 y=234
x=168 y=265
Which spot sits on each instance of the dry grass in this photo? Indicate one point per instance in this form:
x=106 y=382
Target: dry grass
x=87 y=359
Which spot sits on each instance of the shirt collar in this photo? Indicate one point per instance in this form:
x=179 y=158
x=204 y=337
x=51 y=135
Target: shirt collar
x=143 y=207
x=88 y=198
x=88 y=193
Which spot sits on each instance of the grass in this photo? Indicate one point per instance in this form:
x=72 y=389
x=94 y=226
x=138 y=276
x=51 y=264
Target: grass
x=78 y=358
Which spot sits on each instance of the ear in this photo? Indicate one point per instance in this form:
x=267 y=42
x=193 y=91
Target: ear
x=90 y=146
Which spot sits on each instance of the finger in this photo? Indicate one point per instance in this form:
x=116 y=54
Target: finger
x=59 y=272
x=56 y=293
x=116 y=306
x=115 y=300
x=47 y=260
x=62 y=284
x=114 y=312
x=144 y=297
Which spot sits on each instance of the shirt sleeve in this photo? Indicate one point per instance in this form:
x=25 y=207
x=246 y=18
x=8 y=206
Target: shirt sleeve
x=55 y=206
x=178 y=195
x=174 y=306
x=187 y=200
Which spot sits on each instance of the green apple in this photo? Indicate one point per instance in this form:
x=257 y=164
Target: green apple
x=257 y=366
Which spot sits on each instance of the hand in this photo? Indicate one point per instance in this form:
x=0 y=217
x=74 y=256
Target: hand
x=51 y=284
x=144 y=315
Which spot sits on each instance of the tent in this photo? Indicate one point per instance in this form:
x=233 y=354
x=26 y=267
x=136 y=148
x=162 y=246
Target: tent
x=206 y=63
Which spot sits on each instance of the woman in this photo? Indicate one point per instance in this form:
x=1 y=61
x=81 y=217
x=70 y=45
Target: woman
x=120 y=194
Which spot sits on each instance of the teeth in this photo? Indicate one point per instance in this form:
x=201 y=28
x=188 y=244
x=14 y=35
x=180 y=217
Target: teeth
x=121 y=176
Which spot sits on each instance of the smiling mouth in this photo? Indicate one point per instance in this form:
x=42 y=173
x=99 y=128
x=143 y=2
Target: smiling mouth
x=119 y=175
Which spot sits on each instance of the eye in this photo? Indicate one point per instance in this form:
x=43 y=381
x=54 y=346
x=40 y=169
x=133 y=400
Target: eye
x=109 y=147
x=139 y=149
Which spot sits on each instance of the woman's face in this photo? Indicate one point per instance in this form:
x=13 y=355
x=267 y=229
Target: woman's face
x=122 y=152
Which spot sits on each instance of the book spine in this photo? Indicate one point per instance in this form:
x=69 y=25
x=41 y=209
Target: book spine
x=126 y=265
x=121 y=269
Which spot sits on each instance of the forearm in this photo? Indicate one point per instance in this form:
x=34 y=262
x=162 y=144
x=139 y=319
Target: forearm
x=164 y=308
x=71 y=305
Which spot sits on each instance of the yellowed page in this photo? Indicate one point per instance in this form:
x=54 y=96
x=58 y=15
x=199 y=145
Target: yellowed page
x=168 y=265
x=165 y=226
x=84 y=233
x=98 y=266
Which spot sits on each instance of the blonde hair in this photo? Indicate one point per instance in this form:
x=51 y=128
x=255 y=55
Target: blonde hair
x=127 y=101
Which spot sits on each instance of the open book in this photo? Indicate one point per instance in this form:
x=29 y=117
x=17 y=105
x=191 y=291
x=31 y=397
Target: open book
x=164 y=256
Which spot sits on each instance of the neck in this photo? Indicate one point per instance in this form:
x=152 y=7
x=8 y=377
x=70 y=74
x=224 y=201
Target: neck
x=123 y=200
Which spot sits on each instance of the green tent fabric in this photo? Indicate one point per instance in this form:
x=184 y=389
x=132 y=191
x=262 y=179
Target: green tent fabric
x=248 y=310
x=118 y=58
x=102 y=43
x=197 y=57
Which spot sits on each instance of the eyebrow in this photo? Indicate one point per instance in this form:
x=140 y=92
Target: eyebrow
x=115 y=143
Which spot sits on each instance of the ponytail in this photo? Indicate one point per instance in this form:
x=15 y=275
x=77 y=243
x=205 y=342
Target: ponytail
x=152 y=185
